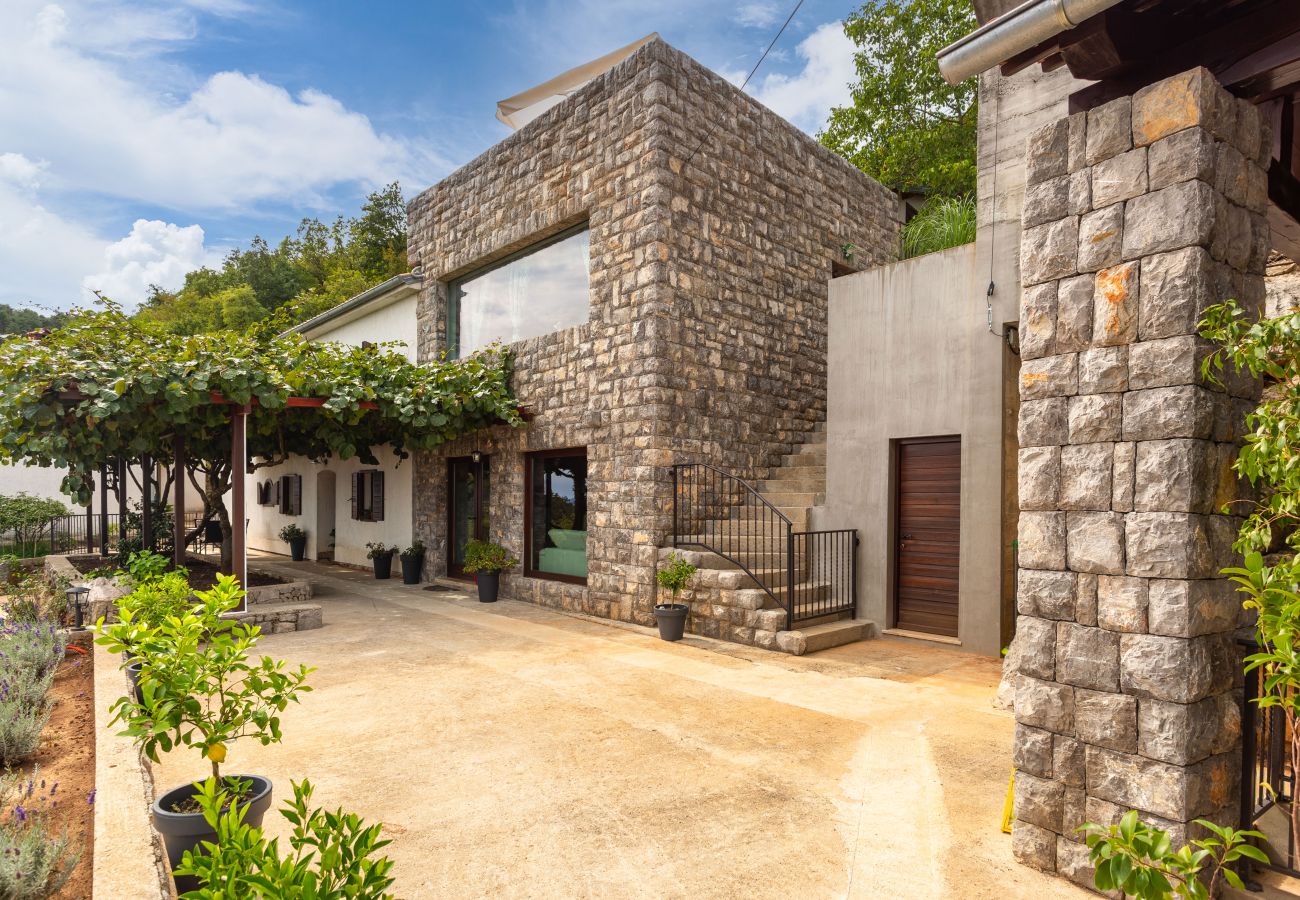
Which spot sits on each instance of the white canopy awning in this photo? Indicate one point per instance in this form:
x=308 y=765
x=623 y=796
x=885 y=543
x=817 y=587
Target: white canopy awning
x=519 y=110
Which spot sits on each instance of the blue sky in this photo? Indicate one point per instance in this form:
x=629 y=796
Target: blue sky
x=140 y=139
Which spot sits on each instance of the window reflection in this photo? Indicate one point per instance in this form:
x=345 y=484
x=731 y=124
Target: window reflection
x=544 y=291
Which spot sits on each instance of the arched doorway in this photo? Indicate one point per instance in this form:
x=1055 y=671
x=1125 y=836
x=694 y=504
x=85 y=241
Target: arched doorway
x=325 y=484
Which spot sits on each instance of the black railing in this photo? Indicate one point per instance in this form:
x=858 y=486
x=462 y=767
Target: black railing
x=809 y=574
x=77 y=533
x=1267 y=778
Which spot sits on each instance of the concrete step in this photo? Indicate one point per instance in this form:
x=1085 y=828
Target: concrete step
x=795 y=499
x=834 y=634
x=753 y=559
x=785 y=480
x=807 y=458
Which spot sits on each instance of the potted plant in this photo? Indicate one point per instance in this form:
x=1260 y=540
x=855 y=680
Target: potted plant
x=676 y=576
x=297 y=540
x=412 y=562
x=486 y=561
x=382 y=557
x=199 y=689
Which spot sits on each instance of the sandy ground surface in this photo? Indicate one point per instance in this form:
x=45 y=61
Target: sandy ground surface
x=66 y=758
x=511 y=751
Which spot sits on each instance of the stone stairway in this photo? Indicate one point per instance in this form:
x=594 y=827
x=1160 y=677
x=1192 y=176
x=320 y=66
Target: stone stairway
x=742 y=609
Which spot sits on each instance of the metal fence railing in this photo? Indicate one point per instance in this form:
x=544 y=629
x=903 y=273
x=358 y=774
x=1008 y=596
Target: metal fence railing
x=1267 y=776
x=809 y=574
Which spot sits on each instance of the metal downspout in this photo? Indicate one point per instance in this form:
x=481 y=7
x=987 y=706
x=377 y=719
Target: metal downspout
x=1014 y=32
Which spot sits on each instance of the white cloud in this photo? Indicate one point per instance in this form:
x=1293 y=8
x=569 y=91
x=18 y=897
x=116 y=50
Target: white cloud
x=21 y=172
x=42 y=254
x=229 y=142
x=806 y=97
x=96 y=113
x=757 y=14
x=153 y=253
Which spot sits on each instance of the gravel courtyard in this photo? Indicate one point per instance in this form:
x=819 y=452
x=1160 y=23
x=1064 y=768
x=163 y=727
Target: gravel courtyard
x=511 y=751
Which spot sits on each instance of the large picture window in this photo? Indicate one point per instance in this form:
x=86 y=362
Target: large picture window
x=544 y=289
x=557 y=515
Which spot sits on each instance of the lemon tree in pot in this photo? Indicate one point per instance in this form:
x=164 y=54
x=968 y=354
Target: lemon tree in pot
x=199 y=688
x=486 y=561
x=381 y=555
x=675 y=576
x=296 y=538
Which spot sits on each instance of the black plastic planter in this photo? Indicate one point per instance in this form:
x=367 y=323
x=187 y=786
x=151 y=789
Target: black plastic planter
x=383 y=565
x=185 y=831
x=411 y=566
x=133 y=673
x=489 y=584
x=298 y=548
x=671 y=619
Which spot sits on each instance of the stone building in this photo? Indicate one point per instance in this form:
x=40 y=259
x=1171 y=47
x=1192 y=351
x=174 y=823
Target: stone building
x=1153 y=188
x=656 y=251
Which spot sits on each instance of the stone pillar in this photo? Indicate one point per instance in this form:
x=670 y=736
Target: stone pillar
x=1138 y=215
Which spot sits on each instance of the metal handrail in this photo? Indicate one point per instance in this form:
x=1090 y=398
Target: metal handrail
x=778 y=530
x=766 y=535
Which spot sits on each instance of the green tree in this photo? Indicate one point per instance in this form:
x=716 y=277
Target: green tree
x=317 y=267
x=907 y=127
x=19 y=321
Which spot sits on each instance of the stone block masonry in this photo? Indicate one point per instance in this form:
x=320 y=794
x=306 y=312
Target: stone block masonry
x=706 y=339
x=1126 y=664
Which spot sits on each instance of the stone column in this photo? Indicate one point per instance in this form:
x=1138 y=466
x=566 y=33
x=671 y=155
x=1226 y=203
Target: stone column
x=1138 y=215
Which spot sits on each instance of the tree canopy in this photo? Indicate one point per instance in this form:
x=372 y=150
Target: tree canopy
x=20 y=321
x=103 y=387
x=318 y=267
x=907 y=127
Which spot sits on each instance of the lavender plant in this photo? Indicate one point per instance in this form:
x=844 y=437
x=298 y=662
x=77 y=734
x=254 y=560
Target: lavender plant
x=35 y=859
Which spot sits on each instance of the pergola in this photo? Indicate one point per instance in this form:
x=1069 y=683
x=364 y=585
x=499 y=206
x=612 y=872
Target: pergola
x=238 y=451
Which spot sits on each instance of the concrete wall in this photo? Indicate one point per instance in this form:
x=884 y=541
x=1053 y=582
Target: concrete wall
x=911 y=356
x=1011 y=108
x=350 y=536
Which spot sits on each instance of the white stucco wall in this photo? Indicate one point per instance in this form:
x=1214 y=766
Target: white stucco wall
x=380 y=322
x=38 y=481
x=390 y=317
x=350 y=536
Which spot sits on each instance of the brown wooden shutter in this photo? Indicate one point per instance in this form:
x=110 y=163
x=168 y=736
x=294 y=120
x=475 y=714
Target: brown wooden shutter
x=295 y=496
x=356 y=495
x=279 y=493
x=377 y=496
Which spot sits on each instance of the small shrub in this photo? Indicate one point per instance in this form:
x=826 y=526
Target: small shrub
x=153 y=601
x=333 y=853
x=486 y=556
x=1139 y=860
x=416 y=549
x=34 y=860
x=21 y=724
x=377 y=549
x=676 y=575
x=34 y=649
x=289 y=532
x=144 y=566
x=942 y=223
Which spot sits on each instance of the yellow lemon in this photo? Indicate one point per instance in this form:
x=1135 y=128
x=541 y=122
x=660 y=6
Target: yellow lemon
x=217 y=753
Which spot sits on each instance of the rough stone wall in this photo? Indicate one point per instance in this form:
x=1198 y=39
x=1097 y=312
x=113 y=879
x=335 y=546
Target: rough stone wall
x=1138 y=215
x=707 y=333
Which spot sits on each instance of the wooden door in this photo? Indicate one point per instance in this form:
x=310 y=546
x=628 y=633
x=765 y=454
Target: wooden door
x=927 y=535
